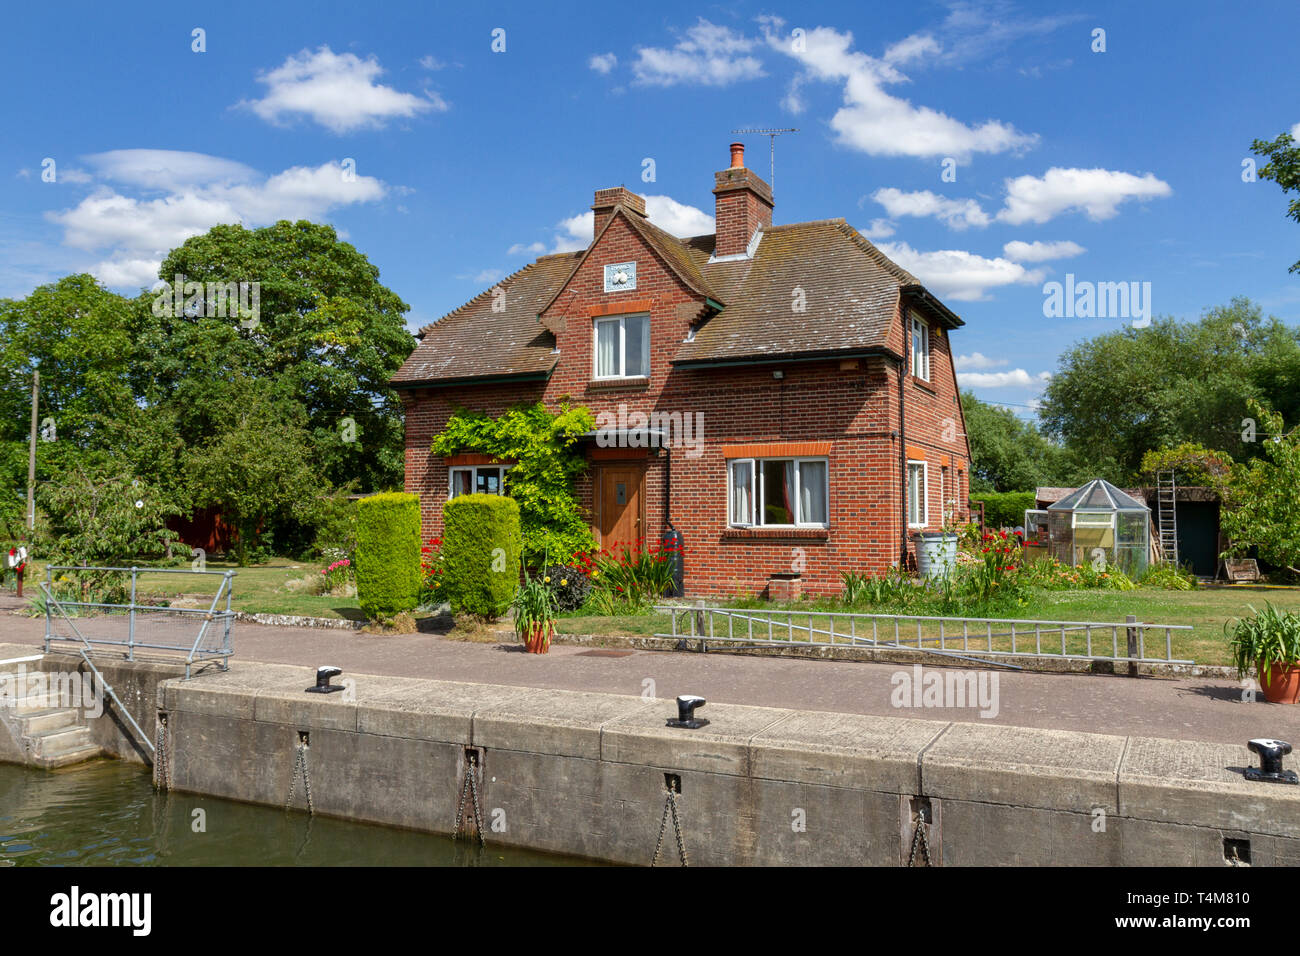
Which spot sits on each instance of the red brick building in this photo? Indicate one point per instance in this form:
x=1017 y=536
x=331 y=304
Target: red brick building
x=783 y=396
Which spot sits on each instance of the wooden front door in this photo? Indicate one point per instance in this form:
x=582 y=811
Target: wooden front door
x=620 y=500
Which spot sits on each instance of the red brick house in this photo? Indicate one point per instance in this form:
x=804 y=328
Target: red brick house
x=795 y=387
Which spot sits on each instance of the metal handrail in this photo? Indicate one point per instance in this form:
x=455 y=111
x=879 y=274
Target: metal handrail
x=191 y=649
x=85 y=656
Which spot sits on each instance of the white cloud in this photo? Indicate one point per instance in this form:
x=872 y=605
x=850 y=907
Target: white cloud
x=954 y=213
x=977 y=361
x=1018 y=251
x=709 y=55
x=603 y=62
x=1295 y=132
x=337 y=91
x=531 y=248
x=1096 y=192
x=1015 y=377
x=168 y=169
x=575 y=232
x=879 y=229
x=678 y=218
x=431 y=62
x=136 y=232
x=915 y=47
x=488 y=275
x=957 y=274
x=873 y=121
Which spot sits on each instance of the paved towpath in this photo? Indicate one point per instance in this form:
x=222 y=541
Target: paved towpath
x=1197 y=708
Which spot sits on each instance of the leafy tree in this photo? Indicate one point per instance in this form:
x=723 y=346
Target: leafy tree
x=325 y=329
x=77 y=334
x=1262 y=506
x=1283 y=168
x=542 y=480
x=257 y=464
x=1126 y=392
x=1008 y=454
x=98 y=515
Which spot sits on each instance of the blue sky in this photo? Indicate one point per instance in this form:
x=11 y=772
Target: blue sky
x=1122 y=165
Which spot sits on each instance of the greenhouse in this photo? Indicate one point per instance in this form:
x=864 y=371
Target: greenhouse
x=1099 y=523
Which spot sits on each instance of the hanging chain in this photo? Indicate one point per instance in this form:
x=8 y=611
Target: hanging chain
x=670 y=806
x=921 y=840
x=162 y=772
x=470 y=789
x=300 y=761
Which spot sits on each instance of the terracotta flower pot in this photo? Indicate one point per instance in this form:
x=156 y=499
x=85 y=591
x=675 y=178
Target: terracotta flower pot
x=538 y=640
x=1281 y=683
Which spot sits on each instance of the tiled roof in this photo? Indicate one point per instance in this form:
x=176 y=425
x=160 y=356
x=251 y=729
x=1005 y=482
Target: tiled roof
x=850 y=294
x=475 y=342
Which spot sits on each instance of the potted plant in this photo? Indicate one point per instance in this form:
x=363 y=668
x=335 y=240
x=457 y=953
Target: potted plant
x=1269 y=645
x=535 y=614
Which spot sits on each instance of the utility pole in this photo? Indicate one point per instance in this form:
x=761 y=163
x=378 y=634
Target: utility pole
x=31 y=456
x=771 y=134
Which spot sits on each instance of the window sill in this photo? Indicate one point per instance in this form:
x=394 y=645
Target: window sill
x=777 y=532
x=612 y=384
x=923 y=385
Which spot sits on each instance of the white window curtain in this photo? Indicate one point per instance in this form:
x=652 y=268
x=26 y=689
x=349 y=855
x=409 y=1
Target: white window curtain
x=812 y=492
x=742 y=492
x=607 y=348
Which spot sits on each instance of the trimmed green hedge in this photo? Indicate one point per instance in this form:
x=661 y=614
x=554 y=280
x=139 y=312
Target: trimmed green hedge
x=481 y=548
x=1004 y=509
x=388 y=554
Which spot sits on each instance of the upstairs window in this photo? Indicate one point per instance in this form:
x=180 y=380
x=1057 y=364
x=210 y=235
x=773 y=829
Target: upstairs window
x=623 y=346
x=481 y=479
x=920 y=349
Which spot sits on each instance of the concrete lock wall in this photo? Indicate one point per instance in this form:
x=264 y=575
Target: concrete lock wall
x=585 y=774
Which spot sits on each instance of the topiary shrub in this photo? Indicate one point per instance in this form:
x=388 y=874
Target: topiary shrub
x=387 y=561
x=481 y=548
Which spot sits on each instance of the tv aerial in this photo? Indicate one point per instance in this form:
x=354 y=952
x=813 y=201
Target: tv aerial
x=771 y=134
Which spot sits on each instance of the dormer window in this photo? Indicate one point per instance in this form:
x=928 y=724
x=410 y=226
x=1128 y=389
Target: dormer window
x=920 y=348
x=622 y=346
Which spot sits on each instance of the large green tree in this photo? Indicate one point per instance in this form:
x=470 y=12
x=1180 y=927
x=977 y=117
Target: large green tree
x=257 y=464
x=326 y=330
x=1008 y=454
x=1126 y=392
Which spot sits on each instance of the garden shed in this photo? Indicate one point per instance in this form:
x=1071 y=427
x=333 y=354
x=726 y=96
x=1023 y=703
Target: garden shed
x=1099 y=519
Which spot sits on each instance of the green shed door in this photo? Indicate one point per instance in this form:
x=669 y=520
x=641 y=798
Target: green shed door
x=1198 y=531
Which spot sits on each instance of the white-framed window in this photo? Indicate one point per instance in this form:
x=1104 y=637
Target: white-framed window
x=918 y=494
x=621 y=344
x=920 y=348
x=778 y=492
x=479 y=479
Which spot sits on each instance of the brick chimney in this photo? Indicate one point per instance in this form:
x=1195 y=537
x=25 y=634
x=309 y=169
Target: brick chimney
x=607 y=199
x=743 y=202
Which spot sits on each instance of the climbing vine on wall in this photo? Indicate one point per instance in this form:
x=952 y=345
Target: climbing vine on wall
x=542 y=445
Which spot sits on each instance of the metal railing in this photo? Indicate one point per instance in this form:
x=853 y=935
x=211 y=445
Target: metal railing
x=166 y=627
x=970 y=638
